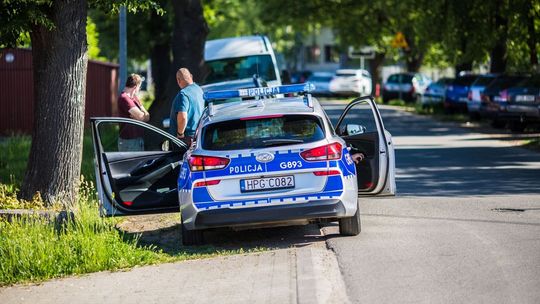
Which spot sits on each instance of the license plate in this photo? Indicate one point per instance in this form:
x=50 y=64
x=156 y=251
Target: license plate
x=267 y=183
x=525 y=98
x=463 y=99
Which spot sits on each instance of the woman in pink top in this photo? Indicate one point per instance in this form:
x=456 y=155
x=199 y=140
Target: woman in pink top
x=129 y=106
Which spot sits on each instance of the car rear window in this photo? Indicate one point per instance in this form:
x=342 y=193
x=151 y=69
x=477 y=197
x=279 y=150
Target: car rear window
x=503 y=82
x=465 y=80
x=483 y=80
x=345 y=74
x=531 y=82
x=262 y=132
x=400 y=78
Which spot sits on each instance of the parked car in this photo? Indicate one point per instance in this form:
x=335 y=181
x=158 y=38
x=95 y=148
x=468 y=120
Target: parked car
x=351 y=82
x=321 y=80
x=300 y=76
x=457 y=92
x=495 y=95
x=254 y=163
x=405 y=86
x=232 y=62
x=435 y=92
x=523 y=104
x=475 y=94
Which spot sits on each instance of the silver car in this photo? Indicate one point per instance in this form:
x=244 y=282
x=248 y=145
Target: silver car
x=262 y=161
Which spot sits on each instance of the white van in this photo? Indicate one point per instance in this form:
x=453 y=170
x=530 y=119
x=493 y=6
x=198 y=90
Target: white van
x=232 y=62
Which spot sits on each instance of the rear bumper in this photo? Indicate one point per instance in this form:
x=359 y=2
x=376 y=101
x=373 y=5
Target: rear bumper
x=523 y=114
x=230 y=217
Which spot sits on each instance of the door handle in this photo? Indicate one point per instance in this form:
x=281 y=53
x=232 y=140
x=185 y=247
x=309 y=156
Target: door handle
x=149 y=163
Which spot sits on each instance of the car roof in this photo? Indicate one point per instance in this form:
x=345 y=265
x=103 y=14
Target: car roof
x=262 y=107
x=236 y=47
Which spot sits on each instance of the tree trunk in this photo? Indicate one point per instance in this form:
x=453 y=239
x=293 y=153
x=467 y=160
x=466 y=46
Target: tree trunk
x=189 y=36
x=59 y=69
x=161 y=63
x=374 y=66
x=531 y=41
x=498 y=52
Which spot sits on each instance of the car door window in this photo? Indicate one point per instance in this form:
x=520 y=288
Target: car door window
x=131 y=137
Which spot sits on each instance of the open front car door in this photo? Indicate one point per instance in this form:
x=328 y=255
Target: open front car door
x=361 y=126
x=136 y=167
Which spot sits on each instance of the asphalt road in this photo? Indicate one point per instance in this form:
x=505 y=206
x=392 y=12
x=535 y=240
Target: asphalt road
x=464 y=227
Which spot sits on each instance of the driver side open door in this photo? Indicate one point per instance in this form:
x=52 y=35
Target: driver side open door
x=136 y=167
x=361 y=126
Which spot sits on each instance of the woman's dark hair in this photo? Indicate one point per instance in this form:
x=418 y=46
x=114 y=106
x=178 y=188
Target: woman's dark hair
x=133 y=80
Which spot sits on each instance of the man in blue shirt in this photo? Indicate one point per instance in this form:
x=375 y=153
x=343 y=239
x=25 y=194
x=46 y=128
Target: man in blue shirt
x=187 y=107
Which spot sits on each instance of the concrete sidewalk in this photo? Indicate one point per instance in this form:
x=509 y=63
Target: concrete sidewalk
x=297 y=275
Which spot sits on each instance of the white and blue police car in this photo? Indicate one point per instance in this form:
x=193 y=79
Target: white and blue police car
x=257 y=159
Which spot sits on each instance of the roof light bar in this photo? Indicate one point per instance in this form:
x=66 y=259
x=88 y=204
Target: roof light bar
x=264 y=91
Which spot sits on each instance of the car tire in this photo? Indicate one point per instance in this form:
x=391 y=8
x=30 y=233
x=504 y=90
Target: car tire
x=191 y=237
x=517 y=127
x=351 y=226
x=498 y=124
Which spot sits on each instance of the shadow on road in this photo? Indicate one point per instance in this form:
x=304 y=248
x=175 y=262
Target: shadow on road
x=163 y=232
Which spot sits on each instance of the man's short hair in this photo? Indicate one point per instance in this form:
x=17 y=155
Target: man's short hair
x=184 y=74
x=133 y=80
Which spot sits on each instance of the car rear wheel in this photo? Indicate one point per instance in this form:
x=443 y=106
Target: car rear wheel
x=498 y=124
x=517 y=126
x=191 y=237
x=350 y=226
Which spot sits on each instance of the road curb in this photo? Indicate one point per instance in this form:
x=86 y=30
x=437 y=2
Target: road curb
x=318 y=277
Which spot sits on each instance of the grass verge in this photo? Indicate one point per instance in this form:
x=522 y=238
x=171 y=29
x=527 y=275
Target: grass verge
x=35 y=249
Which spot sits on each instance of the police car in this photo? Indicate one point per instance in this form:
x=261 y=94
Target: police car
x=257 y=159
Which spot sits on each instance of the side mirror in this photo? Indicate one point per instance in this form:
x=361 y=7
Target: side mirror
x=165 y=146
x=351 y=129
x=355 y=129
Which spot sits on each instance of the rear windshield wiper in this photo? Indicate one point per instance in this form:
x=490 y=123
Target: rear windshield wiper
x=279 y=142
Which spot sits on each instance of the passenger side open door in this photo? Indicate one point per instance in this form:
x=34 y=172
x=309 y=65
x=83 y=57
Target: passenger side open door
x=136 y=167
x=361 y=126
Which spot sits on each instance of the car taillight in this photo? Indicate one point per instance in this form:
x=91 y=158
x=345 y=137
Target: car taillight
x=326 y=172
x=469 y=96
x=326 y=152
x=207 y=183
x=412 y=89
x=201 y=163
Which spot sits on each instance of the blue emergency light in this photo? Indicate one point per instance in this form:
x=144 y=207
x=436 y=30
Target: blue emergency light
x=263 y=91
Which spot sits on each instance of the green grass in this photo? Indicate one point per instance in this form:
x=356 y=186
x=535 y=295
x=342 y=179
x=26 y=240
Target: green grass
x=34 y=249
x=436 y=111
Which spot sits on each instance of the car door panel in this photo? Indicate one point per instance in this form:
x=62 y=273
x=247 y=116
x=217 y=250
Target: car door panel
x=136 y=182
x=367 y=172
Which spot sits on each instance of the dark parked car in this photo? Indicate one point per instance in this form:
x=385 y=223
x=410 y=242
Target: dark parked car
x=457 y=93
x=405 y=86
x=435 y=92
x=495 y=95
x=523 y=104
